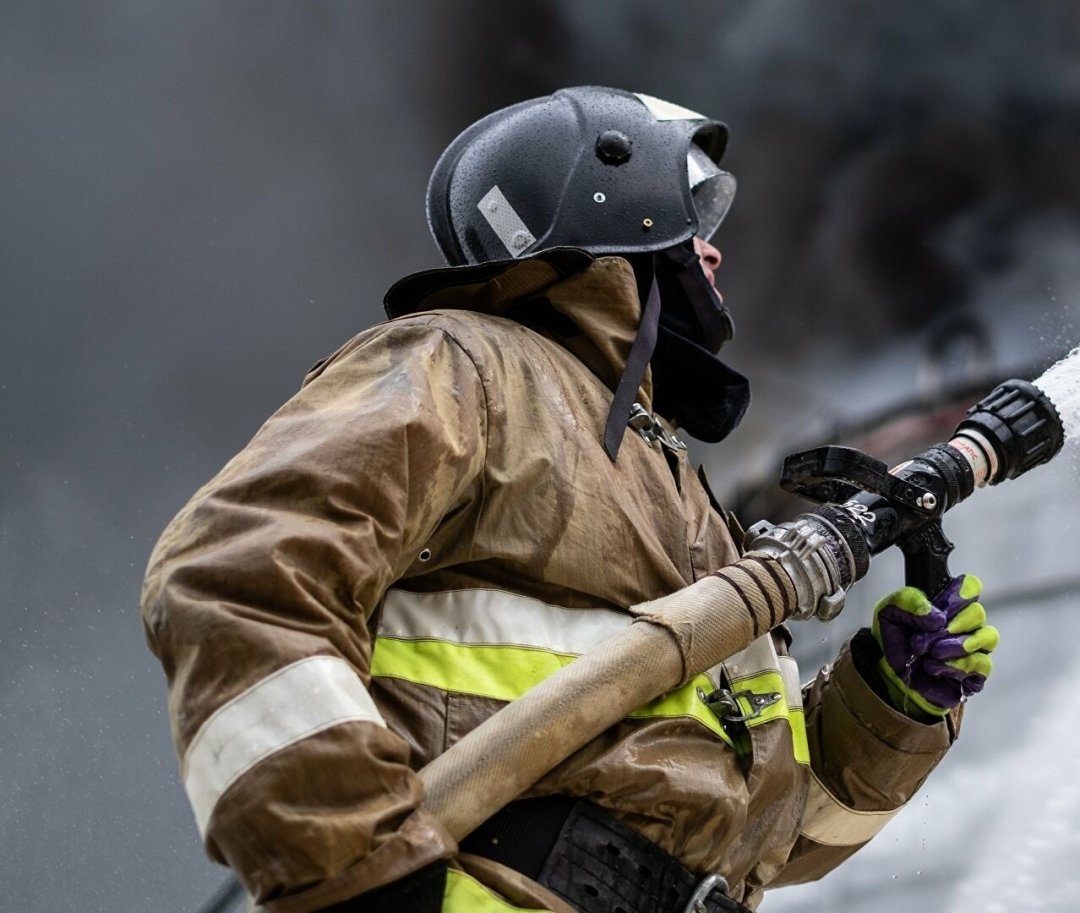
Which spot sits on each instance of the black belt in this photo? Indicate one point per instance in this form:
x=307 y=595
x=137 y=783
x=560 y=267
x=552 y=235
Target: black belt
x=593 y=862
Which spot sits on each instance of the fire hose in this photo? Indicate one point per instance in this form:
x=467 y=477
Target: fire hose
x=799 y=569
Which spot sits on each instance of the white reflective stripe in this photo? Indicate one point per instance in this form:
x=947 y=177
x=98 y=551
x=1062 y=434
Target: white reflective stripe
x=505 y=222
x=699 y=167
x=759 y=657
x=295 y=702
x=827 y=820
x=789 y=672
x=666 y=110
x=496 y=617
x=979 y=453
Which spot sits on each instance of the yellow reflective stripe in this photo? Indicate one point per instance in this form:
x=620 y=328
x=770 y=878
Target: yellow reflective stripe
x=800 y=746
x=506 y=673
x=501 y=673
x=684 y=702
x=464 y=894
x=770 y=682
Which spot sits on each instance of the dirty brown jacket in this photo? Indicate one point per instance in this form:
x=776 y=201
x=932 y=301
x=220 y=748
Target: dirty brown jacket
x=331 y=607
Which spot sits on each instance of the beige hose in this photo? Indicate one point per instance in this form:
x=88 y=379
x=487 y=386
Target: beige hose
x=672 y=640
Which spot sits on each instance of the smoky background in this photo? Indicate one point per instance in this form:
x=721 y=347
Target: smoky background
x=199 y=200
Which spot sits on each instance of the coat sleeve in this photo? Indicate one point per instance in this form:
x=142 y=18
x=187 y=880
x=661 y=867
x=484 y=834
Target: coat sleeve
x=866 y=761
x=258 y=599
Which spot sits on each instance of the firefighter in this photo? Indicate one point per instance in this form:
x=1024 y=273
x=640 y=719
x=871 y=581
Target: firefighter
x=459 y=501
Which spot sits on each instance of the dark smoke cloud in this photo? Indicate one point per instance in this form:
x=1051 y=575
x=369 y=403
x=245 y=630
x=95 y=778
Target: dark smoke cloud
x=885 y=159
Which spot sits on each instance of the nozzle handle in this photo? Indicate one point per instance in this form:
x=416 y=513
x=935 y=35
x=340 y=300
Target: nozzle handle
x=834 y=474
x=926 y=558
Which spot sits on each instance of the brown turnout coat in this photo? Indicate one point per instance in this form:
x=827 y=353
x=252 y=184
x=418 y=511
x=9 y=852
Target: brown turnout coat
x=449 y=456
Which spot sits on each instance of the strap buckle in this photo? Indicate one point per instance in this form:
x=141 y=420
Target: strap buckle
x=649 y=427
x=705 y=887
x=725 y=703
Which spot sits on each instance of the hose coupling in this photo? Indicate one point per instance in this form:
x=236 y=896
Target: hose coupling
x=814 y=555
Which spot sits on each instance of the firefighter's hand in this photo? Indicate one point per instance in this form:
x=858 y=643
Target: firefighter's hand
x=934 y=654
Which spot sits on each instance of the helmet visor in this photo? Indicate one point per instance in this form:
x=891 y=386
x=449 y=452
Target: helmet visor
x=711 y=188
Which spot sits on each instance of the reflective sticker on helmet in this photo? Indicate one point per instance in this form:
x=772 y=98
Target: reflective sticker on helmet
x=699 y=166
x=505 y=222
x=666 y=110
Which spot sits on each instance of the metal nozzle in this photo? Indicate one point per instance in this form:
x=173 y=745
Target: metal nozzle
x=868 y=507
x=1020 y=424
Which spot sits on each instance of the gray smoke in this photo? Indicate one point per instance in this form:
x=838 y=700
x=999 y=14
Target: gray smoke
x=884 y=159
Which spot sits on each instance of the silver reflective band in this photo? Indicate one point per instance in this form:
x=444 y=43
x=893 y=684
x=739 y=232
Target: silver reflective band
x=496 y=617
x=711 y=188
x=828 y=821
x=505 y=222
x=295 y=702
x=760 y=656
x=666 y=110
x=979 y=453
x=699 y=166
x=789 y=672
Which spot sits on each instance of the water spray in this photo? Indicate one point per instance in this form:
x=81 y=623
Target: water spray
x=867 y=507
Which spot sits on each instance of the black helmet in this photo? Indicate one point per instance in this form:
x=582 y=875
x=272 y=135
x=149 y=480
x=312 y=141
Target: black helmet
x=605 y=170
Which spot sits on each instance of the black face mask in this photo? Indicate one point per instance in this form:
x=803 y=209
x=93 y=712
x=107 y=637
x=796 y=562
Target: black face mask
x=691 y=385
x=691 y=306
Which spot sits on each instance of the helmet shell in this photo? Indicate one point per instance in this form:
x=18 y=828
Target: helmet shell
x=555 y=172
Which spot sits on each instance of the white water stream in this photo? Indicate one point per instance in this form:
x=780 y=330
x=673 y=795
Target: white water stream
x=1062 y=384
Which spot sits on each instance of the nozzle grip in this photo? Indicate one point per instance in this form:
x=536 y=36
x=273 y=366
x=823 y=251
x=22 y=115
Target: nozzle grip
x=926 y=558
x=1021 y=424
x=835 y=474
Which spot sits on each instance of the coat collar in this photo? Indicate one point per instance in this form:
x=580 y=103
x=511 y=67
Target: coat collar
x=587 y=304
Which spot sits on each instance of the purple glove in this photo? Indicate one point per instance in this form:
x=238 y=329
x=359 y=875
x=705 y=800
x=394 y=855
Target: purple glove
x=934 y=654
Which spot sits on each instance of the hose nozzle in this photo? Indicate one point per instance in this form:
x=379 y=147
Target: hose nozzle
x=1014 y=429
x=871 y=507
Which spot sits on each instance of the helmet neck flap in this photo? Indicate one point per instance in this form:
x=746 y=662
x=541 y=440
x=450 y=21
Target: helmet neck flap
x=691 y=385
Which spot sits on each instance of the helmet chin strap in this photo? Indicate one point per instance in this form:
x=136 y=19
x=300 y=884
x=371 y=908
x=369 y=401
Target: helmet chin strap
x=634 y=371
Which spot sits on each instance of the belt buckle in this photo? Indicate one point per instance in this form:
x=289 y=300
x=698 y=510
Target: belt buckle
x=705 y=887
